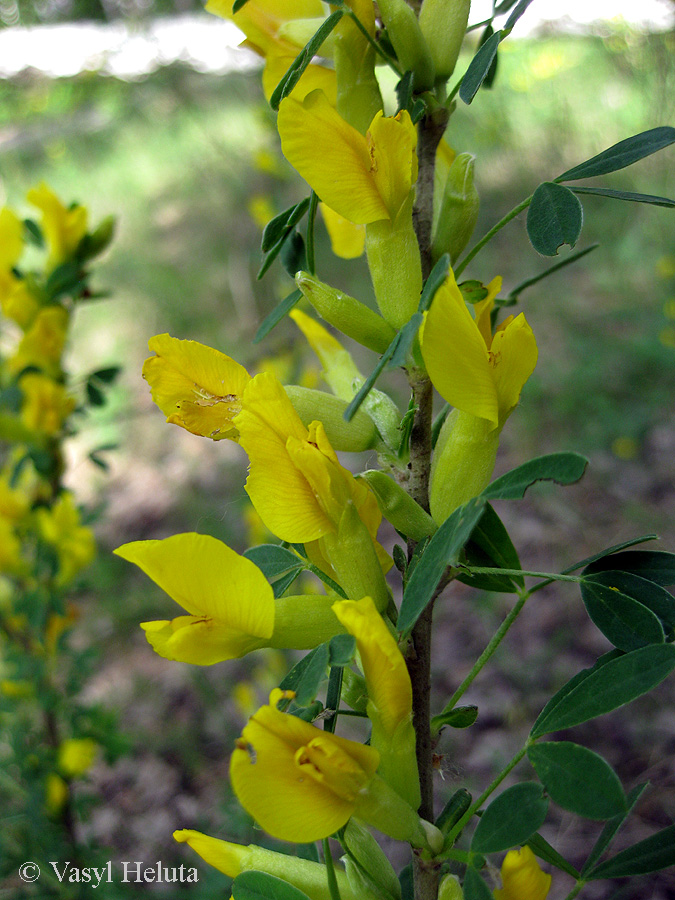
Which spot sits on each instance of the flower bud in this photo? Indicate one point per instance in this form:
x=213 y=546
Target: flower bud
x=408 y=41
x=347 y=314
x=398 y=507
x=369 y=871
x=450 y=889
x=311 y=405
x=458 y=211
x=443 y=24
x=358 y=91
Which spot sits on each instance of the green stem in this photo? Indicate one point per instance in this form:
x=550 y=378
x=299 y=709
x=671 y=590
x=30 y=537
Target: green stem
x=575 y=890
x=491 y=233
x=493 y=570
x=333 y=697
x=487 y=653
x=330 y=871
x=311 y=217
x=473 y=809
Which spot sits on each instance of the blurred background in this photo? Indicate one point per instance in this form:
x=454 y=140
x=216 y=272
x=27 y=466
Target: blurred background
x=146 y=109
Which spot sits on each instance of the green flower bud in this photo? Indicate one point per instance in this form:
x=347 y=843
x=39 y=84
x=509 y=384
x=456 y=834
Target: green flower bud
x=443 y=24
x=347 y=314
x=463 y=462
x=395 y=266
x=311 y=406
x=458 y=211
x=450 y=889
x=368 y=869
x=408 y=41
x=398 y=507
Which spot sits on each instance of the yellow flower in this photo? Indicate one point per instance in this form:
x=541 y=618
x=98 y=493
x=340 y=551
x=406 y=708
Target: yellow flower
x=18 y=304
x=61 y=527
x=230 y=605
x=46 y=404
x=56 y=793
x=522 y=877
x=473 y=370
x=63 y=227
x=389 y=695
x=233 y=859
x=42 y=344
x=347 y=241
x=196 y=387
x=363 y=178
x=76 y=756
x=302 y=784
x=11 y=238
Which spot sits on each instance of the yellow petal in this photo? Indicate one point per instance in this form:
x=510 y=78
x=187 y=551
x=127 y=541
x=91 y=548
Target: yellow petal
x=195 y=386
x=315 y=77
x=63 y=227
x=342 y=173
x=210 y=581
x=347 y=241
x=522 y=877
x=392 y=142
x=260 y=20
x=200 y=641
x=11 y=238
x=514 y=356
x=222 y=855
x=455 y=355
x=483 y=310
x=386 y=673
x=301 y=784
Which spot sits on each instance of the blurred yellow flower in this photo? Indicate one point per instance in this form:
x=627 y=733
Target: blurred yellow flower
x=522 y=878
x=63 y=227
x=261 y=209
x=11 y=238
x=46 y=404
x=195 y=386
x=61 y=527
x=56 y=793
x=76 y=756
x=42 y=344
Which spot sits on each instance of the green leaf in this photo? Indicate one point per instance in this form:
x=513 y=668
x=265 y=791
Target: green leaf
x=650 y=595
x=291 y=680
x=306 y=55
x=624 y=621
x=475 y=888
x=609 y=550
x=623 y=154
x=237 y=5
x=511 y=818
x=293 y=256
x=277 y=314
x=612 y=682
x=95 y=395
x=458 y=717
x=34 y=233
x=404 y=341
x=654 y=565
x=65 y=279
x=541 y=847
x=611 y=828
x=369 y=383
x=573 y=257
x=490 y=546
x=515 y=15
x=273 y=560
x=563 y=468
x=108 y=375
x=278 y=227
x=554 y=218
x=441 y=552
x=404 y=91
x=654 y=853
x=626 y=195
x=261 y=886
x=436 y=278
x=472 y=291
x=314 y=673
x=578 y=779
x=479 y=68
x=453 y=810
x=341 y=649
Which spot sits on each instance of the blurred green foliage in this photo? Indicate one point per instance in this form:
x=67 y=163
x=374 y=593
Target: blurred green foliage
x=41 y=12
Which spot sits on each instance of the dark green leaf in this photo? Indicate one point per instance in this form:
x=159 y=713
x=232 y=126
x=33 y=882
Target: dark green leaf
x=490 y=546
x=341 y=649
x=278 y=227
x=607 y=686
x=611 y=828
x=307 y=851
x=418 y=110
x=511 y=818
x=554 y=218
x=573 y=257
x=578 y=779
x=65 y=279
x=473 y=291
x=108 y=375
x=652 y=596
x=492 y=71
x=624 y=621
x=300 y=63
x=405 y=878
x=654 y=853
x=441 y=552
x=369 y=383
x=515 y=15
x=281 y=585
x=327 y=580
x=95 y=395
x=626 y=195
x=609 y=550
x=237 y=5
x=654 y=565
x=563 y=468
x=541 y=847
x=479 y=67
x=292 y=679
x=311 y=678
x=453 y=810
x=34 y=233
x=98 y=461
x=623 y=154
x=277 y=314
x=436 y=278
x=261 y=886
x=404 y=91
x=459 y=717
x=273 y=560
x=404 y=341
x=293 y=256
x=475 y=888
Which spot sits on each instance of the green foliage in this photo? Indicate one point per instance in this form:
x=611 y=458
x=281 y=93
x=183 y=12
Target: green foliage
x=554 y=218
x=511 y=818
x=260 y=886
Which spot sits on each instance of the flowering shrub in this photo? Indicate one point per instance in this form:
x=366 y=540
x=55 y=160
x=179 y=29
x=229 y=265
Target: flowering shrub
x=388 y=180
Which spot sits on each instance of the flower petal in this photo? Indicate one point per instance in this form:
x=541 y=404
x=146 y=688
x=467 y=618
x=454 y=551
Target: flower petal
x=514 y=351
x=392 y=142
x=200 y=641
x=347 y=241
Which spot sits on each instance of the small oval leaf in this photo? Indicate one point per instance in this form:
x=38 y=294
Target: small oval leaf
x=511 y=819
x=555 y=217
x=563 y=468
x=578 y=779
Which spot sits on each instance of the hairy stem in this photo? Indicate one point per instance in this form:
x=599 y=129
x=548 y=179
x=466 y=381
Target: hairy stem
x=429 y=133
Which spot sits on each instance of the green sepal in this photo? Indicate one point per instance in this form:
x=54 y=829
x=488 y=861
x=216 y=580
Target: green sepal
x=367 y=867
x=398 y=507
x=458 y=211
x=443 y=24
x=311 y=405
x=408 y=41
